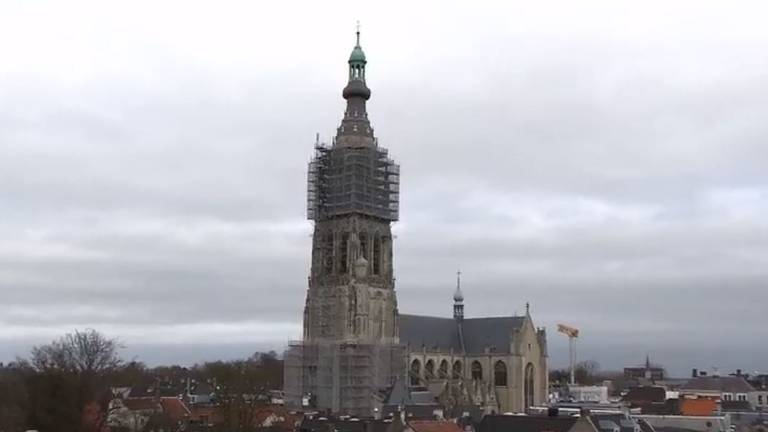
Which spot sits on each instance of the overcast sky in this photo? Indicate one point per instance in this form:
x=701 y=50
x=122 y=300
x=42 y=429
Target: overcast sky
x=605 y=161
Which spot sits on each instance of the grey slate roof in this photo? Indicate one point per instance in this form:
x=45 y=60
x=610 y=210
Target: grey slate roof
x=480 y=333
x=727 y=384
x=442 y=334
x=608 y=422
x=503 y=423
x=432 y=332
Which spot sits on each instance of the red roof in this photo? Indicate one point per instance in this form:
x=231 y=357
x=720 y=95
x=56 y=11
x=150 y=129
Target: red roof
x=262 y=415
x=141 y=404
x=175 y=408
x=284 y=419
x=209 y=412
x=433 y=426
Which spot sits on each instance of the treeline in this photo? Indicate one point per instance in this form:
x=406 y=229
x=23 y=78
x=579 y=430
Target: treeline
x=67 y=385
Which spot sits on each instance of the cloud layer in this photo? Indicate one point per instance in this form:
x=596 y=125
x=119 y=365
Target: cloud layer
x=604 y=162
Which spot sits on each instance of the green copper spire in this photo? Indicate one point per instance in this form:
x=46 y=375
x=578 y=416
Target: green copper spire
x=357 y=56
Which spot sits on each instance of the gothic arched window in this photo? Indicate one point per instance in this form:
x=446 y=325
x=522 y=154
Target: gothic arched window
x=343 y=253
x=443 y=371
x=364 y=244
x=529 y=388
x=415 y=372
x=429 y=369
x=500 y=373
x=376 y=255
x=477 y=370
x=328 y=253
x=457 y=370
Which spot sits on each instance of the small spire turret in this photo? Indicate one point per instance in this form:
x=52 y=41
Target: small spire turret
x=458 y=299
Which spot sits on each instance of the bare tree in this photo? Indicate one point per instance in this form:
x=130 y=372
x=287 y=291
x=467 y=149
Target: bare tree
x=69 y=390
x=13 y=398
x=85 y=352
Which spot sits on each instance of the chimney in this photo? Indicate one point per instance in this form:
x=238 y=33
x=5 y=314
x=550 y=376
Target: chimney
x=738 y=372
x=694 y=373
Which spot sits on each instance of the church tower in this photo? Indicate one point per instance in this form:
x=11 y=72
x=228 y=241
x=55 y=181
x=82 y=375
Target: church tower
x=353 y=200
x=350 y=340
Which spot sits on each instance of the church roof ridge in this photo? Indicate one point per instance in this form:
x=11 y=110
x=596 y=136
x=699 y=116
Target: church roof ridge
x=520 y=317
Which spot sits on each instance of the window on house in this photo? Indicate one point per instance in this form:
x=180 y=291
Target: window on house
x=759 y=399
x=727 y=397
x=741 y=397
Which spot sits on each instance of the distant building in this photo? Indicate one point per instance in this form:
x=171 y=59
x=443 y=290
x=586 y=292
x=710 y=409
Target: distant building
x=594 y=394
x=733 y=393
x=650 y=400
x=687 y=423
x=646 y=372
x=553 y=423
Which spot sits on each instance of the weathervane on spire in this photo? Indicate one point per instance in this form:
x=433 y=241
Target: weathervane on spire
x=358 y=32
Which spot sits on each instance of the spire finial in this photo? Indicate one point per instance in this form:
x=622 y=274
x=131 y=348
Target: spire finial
x=458 y=296
x=358 y=33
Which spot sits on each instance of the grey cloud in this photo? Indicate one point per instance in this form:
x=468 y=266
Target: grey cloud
x=608 y=169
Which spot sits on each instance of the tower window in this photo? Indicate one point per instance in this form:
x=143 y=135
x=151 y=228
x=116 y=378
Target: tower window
x=343 y=253
x=376 y=255
x=364 y=245
x=328 y=253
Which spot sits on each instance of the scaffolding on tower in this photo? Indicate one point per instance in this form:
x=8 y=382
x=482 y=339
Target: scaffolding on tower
x=343 y=180
x=339 y=376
